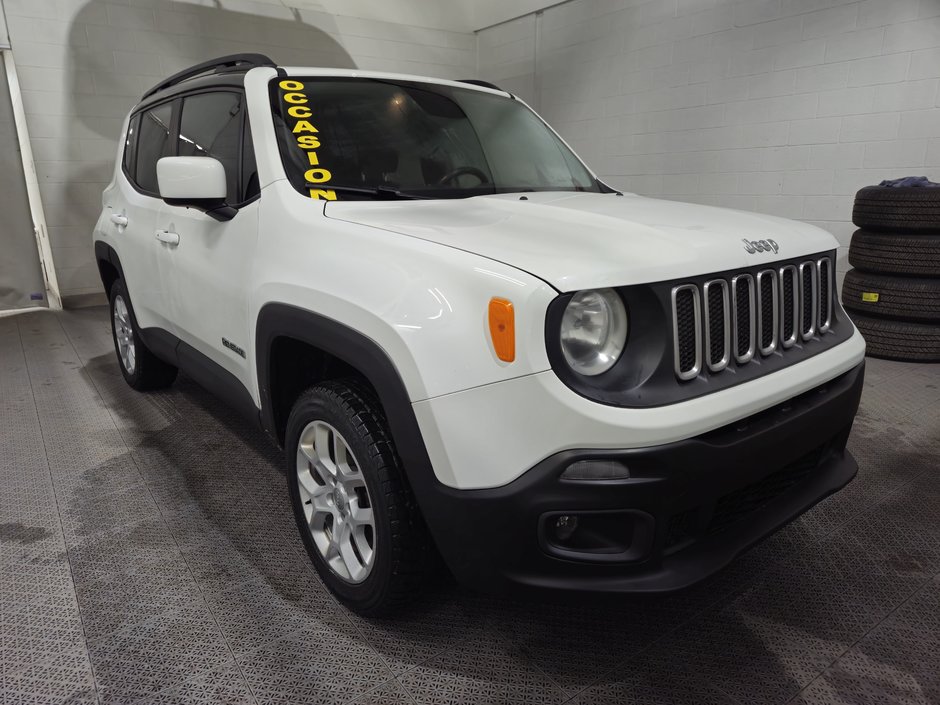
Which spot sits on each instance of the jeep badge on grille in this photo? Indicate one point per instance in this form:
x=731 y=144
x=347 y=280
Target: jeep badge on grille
x=753 y=246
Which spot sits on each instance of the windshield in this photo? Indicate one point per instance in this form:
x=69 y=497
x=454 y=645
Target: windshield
x=353 y=138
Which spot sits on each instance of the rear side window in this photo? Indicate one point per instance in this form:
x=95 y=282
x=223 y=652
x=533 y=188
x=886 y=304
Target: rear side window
x=211 y=126
x=153 y=143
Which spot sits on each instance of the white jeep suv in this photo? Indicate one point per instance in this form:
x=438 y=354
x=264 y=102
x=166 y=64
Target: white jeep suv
x=467 y=344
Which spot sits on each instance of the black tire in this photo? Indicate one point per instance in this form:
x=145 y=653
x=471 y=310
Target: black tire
x=894 y=297
x=403 y=550
x=894 y=253
x=899 y=340
x=899 y=210
x=150 y=372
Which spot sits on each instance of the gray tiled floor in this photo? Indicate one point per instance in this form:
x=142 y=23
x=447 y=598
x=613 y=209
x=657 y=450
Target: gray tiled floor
x=147 y=554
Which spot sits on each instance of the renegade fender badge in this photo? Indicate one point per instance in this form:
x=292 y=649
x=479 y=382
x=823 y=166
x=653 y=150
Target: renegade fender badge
x=234 y=348
x=753 y=246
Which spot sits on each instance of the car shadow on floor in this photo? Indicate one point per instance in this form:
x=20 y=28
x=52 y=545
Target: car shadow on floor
x=759 y=631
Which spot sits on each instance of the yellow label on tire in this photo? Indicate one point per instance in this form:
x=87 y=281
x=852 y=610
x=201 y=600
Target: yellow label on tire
x=870 y=296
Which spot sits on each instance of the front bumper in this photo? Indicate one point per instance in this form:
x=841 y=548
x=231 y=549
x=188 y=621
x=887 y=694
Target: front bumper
x=692 y=505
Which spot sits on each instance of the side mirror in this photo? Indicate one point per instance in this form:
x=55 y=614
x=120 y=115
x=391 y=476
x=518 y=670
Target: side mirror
x=195 y=182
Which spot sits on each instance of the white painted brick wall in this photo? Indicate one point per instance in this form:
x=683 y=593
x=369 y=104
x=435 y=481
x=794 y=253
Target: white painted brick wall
x=84 y=63
x=781 y=106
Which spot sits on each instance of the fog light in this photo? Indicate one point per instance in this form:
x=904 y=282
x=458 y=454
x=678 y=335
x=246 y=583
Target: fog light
x=565 y=526
x=596 y=470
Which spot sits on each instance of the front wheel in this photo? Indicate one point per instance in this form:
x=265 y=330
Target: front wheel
x=356 y=515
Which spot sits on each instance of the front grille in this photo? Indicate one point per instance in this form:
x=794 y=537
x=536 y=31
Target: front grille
x=808 y=301
x=791 y=305
x=687 y=331
x=824 y=267
x=747 y=316
x=742 y=288
x=717 y=325
x=767 y=311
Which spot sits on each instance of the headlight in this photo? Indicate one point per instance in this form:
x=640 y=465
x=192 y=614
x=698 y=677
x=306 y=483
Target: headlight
x=593 y=331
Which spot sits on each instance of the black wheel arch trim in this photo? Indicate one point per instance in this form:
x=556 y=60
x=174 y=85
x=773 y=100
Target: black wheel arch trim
x=105 y=253
x=276 y=320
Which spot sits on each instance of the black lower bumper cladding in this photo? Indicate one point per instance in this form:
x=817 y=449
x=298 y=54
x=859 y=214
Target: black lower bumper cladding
x=690 y=506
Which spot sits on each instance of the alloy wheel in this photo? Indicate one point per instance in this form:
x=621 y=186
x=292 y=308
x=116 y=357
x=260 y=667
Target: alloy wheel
x=124 y=334
x=336 y=502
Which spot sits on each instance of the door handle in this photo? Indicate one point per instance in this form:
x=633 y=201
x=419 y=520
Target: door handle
x=170 y=238
x=119 y=220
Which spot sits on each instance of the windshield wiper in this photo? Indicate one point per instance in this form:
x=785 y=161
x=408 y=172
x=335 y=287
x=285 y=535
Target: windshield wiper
x=382 y=193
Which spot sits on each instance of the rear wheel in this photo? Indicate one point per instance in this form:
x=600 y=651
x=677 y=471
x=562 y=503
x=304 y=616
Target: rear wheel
x=141 y=368
x=356 y=515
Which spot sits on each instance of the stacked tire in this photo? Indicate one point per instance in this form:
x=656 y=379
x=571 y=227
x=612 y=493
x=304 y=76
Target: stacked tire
x=893 y=292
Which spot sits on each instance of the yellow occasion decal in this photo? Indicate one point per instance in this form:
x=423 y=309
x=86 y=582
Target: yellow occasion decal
x=306 y=135
x=871 y=297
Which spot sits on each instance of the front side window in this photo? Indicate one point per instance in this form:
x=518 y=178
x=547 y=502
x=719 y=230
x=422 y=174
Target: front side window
x=211 y=126
x=419 y=139
x=153 y=142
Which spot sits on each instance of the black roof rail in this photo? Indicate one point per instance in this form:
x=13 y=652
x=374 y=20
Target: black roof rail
x=478 y=82
x=248 y=61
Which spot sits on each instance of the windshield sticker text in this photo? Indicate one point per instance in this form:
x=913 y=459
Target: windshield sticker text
x=307 y=138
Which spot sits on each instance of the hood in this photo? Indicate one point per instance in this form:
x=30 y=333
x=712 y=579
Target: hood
x=587 y=240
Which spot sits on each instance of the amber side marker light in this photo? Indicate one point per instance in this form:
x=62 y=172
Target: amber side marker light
x=503 y=329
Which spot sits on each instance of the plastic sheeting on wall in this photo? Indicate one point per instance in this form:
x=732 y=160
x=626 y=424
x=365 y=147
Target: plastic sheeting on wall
x=21 y=282
x=4 y=35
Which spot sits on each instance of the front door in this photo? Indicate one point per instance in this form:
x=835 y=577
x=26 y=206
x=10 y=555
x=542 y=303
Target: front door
x=212 y=262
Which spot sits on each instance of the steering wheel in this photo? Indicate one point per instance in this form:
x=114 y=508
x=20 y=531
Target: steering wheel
x=460 y=171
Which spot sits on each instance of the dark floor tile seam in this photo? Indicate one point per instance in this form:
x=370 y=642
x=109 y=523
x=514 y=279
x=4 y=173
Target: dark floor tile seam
x=363 y=696
x=911 y=413
x=876 y=380
x=365 y=639
x=917 y=591
x=561 y=689
x=146 y=486
x=398 y=677
x=443 y=652
x=55 y=497
x=641 y=651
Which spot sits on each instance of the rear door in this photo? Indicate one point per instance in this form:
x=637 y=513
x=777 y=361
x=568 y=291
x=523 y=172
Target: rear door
x=210 y=267
x=132 y=206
